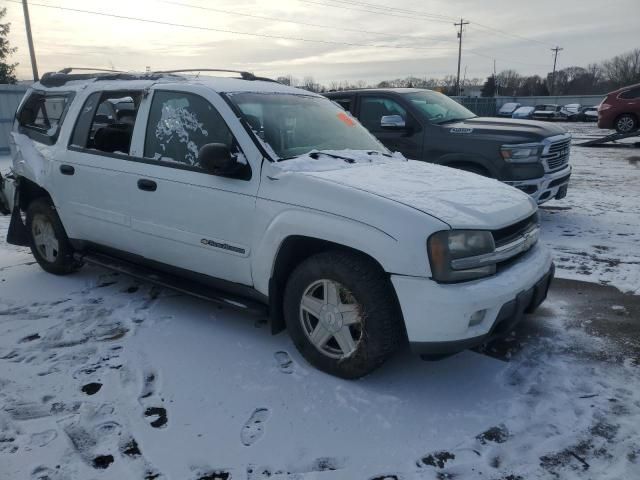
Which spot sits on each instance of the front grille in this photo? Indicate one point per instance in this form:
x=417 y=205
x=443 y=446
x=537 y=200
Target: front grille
x=510 y=233
x=557 y=155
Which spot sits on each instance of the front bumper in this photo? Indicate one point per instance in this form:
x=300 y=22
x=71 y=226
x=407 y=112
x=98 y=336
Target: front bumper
x=443 y=318
x=551 y=185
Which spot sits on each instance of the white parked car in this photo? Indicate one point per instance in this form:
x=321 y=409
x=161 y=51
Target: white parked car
x=256 y=194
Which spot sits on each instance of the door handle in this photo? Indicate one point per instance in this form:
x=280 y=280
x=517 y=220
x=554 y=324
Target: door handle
x=147 y=185
x=67 y=170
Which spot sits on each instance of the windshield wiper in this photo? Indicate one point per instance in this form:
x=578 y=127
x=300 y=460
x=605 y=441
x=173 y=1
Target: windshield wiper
x=316 y=155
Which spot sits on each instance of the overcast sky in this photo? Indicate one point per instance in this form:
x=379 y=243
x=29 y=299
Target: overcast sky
x=406 y=37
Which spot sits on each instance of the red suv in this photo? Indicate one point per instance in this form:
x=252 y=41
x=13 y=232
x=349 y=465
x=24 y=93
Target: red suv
x=621 y=110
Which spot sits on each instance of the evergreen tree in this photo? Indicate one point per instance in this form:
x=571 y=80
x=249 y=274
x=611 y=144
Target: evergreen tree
x=7 y=70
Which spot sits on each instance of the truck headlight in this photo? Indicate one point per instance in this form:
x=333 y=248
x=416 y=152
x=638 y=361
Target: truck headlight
x=525 y=153
x=446 y=246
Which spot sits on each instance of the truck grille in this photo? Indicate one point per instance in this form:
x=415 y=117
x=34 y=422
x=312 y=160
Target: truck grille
x=557 y=155
x=508 y=234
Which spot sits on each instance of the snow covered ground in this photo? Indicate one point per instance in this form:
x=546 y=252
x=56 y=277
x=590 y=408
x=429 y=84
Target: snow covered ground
x=102 y=377
x=595 y=230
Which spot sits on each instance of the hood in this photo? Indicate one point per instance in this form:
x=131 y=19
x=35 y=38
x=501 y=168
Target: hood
x=508 y=129
x=460 y=199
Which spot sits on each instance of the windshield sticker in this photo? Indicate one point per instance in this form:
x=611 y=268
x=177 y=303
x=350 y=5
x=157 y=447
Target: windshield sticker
x=343 y=117
x=461 y=130
x=177 y=123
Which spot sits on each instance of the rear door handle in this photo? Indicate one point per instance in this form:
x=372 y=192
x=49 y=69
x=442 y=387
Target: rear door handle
x=67 y=170
x=147 y=185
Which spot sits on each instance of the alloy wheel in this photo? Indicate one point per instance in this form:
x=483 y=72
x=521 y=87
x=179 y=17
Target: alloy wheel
x=44 y=238
x=331 y=318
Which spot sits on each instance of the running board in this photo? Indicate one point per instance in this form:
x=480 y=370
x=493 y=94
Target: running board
x=179 y=284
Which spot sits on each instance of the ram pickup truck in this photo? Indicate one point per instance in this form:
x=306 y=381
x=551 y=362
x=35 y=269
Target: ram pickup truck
x=426 y=125
x=271 y=199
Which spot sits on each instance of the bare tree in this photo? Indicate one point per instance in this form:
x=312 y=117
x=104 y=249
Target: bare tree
x=623 y=69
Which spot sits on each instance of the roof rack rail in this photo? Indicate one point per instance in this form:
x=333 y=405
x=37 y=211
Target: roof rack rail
x=62 y=77
x=68 y=70
x=244 y=75
x=58 y=79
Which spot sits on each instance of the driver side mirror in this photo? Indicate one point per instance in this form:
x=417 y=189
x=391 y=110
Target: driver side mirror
x=217 y=159
x=392 y=122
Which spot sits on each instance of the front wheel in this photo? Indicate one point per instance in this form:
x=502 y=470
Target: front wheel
x=48 y=240
x=342 y=314
x=626 y=123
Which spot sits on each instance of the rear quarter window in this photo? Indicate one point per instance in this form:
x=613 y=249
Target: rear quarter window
x=629 y=94
x=42 y=114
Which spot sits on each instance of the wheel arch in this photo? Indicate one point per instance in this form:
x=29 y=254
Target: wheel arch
x=26 y=191
x=291 y=252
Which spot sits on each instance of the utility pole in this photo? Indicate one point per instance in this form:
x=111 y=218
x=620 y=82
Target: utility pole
x=32 y=52
x=461 y=24
x=553 y=75
x=495 y=80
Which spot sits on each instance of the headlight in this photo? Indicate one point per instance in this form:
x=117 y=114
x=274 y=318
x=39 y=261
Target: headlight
x=525 y=153
x=449 y=245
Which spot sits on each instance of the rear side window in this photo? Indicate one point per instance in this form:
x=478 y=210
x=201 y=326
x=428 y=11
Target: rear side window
x=106 y=121
x=633 y=93
x=42 y=114
x=180 y=124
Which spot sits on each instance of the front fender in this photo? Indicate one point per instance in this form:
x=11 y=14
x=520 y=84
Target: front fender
x=322 y=226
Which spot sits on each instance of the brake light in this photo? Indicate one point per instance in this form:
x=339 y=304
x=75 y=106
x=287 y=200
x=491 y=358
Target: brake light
x=604 y=106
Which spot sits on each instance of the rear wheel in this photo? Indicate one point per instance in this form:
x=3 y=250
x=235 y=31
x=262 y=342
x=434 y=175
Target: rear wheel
x=626 y=123
x=342 y=314
x=48 y=240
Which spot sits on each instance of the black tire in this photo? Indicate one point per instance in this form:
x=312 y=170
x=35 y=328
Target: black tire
x=626 y=123
x=42 y=212
x=381 y=331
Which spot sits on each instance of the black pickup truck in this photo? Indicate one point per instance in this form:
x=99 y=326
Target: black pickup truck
x=426 y=125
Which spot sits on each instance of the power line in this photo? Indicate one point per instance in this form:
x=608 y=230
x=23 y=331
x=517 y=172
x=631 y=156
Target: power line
x=220 y=30
x=512 y=35
x=444 y=18
x=295 y=22
x=383 y=10
x=377 y=12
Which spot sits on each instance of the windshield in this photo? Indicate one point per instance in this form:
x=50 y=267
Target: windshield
x=294 y=125
x=438 y=108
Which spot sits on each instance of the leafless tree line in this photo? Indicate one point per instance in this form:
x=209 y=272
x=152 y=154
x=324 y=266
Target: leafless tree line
x=595 y=78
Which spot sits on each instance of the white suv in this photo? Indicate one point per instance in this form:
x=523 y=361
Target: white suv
x=259 y=195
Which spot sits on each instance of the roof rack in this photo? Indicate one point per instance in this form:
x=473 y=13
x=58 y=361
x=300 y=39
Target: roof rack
x=244 y=75
x=68 y=70
x=60 y=78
